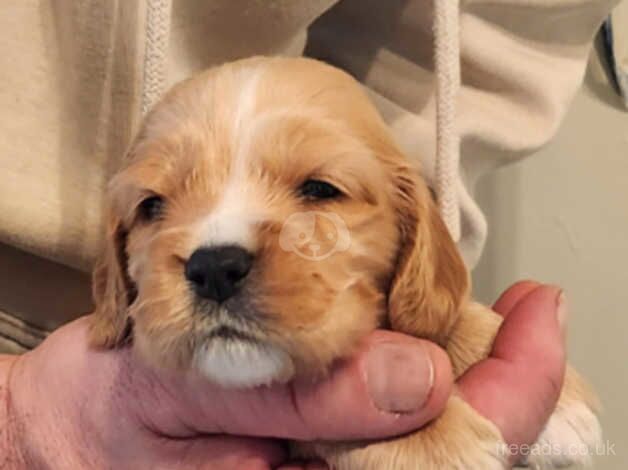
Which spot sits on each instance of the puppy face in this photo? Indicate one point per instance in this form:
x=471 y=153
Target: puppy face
x=263 y=223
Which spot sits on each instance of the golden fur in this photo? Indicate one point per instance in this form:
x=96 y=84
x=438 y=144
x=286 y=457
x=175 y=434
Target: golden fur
x=227 y=151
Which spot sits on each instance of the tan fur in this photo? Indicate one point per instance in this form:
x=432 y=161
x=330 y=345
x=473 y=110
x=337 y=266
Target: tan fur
x=111 y=288
x=430 y=276
x=459 y=439
x=239 y=140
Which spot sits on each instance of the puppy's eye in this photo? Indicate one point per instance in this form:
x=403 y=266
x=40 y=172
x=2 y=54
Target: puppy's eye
x=151 y=208
x=317 y=189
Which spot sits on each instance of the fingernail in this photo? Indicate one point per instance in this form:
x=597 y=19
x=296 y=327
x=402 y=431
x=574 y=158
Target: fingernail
x=562 y=311
x=399 y=377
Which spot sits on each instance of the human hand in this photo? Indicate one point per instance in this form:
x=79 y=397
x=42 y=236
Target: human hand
x=72 y=407
x=517 y=388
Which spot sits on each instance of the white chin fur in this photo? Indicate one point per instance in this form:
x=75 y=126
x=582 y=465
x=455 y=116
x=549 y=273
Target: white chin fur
x=241 y=364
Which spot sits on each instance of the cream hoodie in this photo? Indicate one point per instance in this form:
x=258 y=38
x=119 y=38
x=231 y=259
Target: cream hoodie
x=465 y=87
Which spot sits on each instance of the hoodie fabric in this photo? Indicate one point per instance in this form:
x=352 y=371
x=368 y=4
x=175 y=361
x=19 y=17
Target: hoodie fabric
x=465 y=87
x=616 y=44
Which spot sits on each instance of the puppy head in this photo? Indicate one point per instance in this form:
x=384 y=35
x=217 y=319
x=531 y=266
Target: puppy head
x=263 y=223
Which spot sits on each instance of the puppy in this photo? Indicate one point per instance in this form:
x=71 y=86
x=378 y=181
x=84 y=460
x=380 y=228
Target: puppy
x=263 y=222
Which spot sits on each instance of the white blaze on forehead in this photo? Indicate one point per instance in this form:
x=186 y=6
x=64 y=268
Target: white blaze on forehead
x=244 y=106
x=232 y=220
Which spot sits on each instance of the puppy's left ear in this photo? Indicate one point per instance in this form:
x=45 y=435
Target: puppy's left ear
x=431 y=280
x=112 y=289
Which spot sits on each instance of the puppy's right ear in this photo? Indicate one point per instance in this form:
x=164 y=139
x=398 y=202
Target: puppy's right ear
x=431 y=281
x=112 y=288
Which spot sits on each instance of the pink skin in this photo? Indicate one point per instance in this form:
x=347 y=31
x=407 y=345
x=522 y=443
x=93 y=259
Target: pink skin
x=527 y=363
x=71 y=407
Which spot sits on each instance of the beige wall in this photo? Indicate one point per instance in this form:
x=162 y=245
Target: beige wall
x=561 y=216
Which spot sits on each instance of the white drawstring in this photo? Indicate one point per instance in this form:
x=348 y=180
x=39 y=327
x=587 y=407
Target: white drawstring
x=155 y=54
x=447 y=69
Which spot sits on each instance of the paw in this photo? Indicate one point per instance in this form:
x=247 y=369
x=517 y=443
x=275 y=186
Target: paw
x=397 y=455
x=570 y=438
x=459 y=440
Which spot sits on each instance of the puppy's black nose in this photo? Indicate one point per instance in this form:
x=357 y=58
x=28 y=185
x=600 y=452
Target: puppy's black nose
x=215 y=272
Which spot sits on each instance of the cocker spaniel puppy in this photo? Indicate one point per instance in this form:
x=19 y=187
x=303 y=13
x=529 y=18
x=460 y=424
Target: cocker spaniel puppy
x=263 y=222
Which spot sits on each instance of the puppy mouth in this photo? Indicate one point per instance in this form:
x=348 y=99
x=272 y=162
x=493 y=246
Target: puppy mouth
x=229 y=333
x=232 y=357
x=237 y=351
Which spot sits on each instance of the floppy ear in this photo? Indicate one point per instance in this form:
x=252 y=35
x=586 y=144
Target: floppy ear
x=431 y=279
x=112 y=289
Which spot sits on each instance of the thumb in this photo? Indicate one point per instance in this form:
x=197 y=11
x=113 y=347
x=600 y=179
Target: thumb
x=519 y=385
x=392 y=385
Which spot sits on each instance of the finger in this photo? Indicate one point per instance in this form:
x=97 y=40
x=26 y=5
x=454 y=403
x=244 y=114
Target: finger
x=513 y=295
x=394 y=384
x=216 y=453
x=518 y=387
